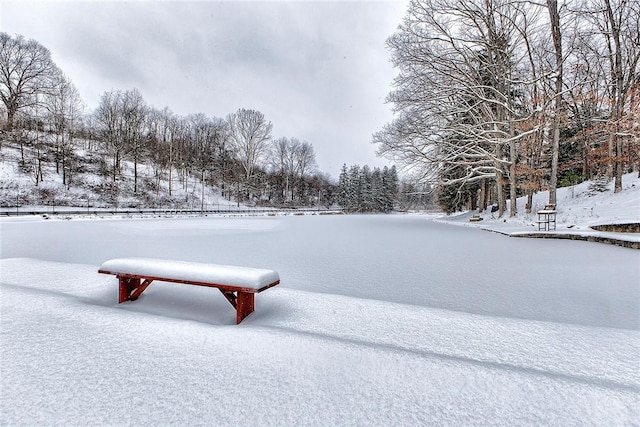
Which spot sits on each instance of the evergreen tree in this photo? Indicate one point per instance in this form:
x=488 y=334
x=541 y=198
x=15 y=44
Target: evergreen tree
x=355 y=189
x=377 y=191
x=343 y=187
x=367 y=190
x=389 y=188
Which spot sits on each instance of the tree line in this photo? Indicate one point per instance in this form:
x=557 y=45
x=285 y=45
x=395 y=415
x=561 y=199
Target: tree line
x=495 y=99
x=361 y=189
x=236 y=154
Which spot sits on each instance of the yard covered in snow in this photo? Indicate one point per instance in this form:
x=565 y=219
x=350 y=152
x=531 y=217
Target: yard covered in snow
x=378 y=320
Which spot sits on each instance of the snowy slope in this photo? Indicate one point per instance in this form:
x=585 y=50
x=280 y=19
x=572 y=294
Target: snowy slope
x=92 y=184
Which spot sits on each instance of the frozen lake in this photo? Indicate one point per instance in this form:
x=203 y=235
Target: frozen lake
x=396 y=258
x=379 y=320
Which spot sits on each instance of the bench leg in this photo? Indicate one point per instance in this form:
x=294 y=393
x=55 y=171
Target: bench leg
x=131 y=288
x=126 y=285
x=245 y=302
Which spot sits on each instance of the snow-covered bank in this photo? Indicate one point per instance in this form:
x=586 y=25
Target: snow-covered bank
x=579 y=208
x=71 y=355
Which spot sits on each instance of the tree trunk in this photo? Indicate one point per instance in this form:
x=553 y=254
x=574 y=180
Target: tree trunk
x=500 y=186
x=615 y=143
x=529 y=205
x=11 y=113
x=610 y=154
x=64 y=171
x=586 y=169
x=617 y=186
x=483 y=196
x=554 y=18
x=553 y=181
x=513 y=208
x=58 y=156
x=116 y=161
x=170 y=178
x=135 y=175
x=21 y=150
x=202 y=200
x=501 y=193
x=170 y=166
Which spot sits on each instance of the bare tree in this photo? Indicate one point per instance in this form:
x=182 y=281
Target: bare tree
x=305 y=164
x=108 y=116
x=281 y=164
x=26 y=70
x=65 y=108
x=133 y=110
x=292 y=160
x=249 y=134
x=306 y=159
x=458 y=116
x=122 y=116
x=612 y=32
x=207 y=134
x=623 y=19
x=162 y=132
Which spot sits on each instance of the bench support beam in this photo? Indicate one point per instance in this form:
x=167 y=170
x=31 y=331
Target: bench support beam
x=140 y=289
x=230 y=296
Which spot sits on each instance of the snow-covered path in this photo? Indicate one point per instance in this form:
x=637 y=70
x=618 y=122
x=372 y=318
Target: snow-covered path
x=371 y=325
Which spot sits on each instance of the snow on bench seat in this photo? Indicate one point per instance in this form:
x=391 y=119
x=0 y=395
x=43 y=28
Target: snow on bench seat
x=237 y=284
x=241 y=277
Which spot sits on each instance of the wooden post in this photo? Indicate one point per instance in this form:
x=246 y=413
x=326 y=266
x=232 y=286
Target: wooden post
x=245 y=302
x=126 y=286
x=131 y=288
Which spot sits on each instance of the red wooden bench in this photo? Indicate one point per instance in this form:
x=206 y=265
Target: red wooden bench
x=238 y=284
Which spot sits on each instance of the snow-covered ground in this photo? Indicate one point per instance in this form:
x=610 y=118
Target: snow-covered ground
x=378 y=320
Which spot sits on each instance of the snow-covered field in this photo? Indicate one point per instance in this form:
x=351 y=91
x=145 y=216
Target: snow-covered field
x=379 y=320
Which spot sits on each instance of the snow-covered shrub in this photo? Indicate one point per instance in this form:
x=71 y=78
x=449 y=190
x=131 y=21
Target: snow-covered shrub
x=598 y=185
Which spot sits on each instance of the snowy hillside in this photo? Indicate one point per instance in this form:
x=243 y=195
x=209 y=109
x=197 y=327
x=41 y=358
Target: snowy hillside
x=91 y=184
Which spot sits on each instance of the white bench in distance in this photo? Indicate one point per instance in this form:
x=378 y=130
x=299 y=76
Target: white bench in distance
x=238 y=284
x=547 y=218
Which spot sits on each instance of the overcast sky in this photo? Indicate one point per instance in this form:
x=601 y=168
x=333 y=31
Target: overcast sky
x=319 y=71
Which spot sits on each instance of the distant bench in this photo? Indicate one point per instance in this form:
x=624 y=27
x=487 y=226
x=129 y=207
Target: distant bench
x=475 y=218
x=547 y=218
x=238 y=284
